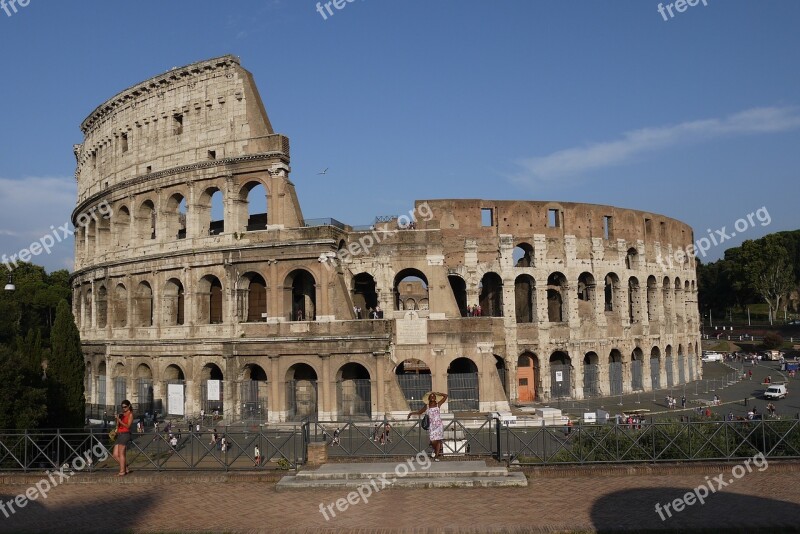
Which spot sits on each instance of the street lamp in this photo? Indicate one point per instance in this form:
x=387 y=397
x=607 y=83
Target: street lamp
x=10 y=285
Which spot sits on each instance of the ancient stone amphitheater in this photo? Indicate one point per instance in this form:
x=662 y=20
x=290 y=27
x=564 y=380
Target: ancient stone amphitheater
x=200 y=285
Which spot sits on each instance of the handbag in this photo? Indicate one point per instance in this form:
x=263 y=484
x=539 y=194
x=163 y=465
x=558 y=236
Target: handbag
x=112 y=435
x=425 y=424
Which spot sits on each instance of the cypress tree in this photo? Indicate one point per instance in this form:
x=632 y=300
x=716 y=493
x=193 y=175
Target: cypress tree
x=66 y=401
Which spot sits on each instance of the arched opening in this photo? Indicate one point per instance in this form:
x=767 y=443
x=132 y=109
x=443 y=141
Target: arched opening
x=491 y=295
x=102 y=307
x=301 y=392
x=174 y=303
x=527 y=377
x=670 y=366
x=144 y=389
x=615 y=372
x=211 y=211
x=144 y=305
x=560 y=375
x=120 y=384
x=121 y=221
x=253 y=393
x=459 y=288
x=525 y=299
x=500 y=365
x=88 y=305
x=102 y=383
x=611 y=291
x=103 y=233
x=410 y=287
x=253 y=202
x=120 y=306
x=666 y=292
x=652 y=304
x=692 y=363
x=523 y=255
x=176 y=217
x=209 y=306
x=354 y=391
x=631 y=259
x=175 y=383
x=637 y=369
x=365 y=296
x=302 y=297
x=556 y=292
x=586 y=297
x=591 y=375
x=655 y=368
x=146 y=221
x=680 y=307
x=681 y=365
x=91 y=238
x=634 y=301
x=212 y=394
x=252 y=296
x=414 y=377
x=462 y=385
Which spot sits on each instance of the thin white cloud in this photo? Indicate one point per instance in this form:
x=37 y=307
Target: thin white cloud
x=574 y=161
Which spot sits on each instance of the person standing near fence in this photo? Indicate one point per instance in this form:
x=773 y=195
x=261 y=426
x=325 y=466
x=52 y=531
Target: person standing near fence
x=436 y=427
x=124 y=422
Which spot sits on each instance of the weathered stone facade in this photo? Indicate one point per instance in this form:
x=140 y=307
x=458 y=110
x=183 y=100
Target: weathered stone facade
x=573 y=299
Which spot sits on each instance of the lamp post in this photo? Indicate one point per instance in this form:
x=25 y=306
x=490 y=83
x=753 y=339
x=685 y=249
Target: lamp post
x=10 y=285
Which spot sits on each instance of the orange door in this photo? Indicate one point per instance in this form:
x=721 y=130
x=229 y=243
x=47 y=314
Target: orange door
x=525 y=384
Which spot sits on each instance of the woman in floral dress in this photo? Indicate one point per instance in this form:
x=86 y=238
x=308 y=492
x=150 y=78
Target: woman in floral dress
x=436 y=428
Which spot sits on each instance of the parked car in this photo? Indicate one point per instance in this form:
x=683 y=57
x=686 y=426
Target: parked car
x=712 y=357
x=795 y=322
x=775 y=391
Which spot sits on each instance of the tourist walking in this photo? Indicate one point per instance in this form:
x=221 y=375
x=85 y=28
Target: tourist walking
x=124 y=422
x=435 y=425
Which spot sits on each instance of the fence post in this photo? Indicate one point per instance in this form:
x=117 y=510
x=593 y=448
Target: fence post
x=497 y=433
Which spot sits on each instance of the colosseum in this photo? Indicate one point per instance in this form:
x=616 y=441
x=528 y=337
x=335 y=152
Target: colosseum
x=200 y=285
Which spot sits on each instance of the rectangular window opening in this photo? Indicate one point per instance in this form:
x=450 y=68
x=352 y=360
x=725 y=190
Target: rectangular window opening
x=487 y=217
x=212 y=154
x=178 y=124
x=124 y=142
x=648 y=227
x=149 y=169
x=608 y=228
x=662 y=230
x=553 y=218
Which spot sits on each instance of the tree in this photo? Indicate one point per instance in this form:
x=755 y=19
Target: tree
x=23 y=397
x=66 y=400
x=768 y=270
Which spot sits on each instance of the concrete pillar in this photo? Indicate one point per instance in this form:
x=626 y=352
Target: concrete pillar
x=326 y=402
x=379 y=401
x=277 y=386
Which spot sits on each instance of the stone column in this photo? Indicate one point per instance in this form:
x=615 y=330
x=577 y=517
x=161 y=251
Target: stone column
x=379 y=403
x=277 y=386
x=326 y=403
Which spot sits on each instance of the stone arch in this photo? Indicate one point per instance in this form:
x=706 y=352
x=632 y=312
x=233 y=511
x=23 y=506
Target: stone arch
x=462 y=385
x=210 y=301
x=528 y=380
x=615 y=364
x=146 y=221
x=121 y=223
x=175 y=216
x=669 y=365
x=144 y=388
x=102 y=384
x=415 y=379
x=365 y=295
x=212 y=389
x=174 y=303
x=411 y=284
x=666 y=290
x=253 y=393
x=300 y=296
x=210 y=205
x=175 y=387
x=120 y=383
x=652 y=296
x=144 y=304
x=525 y=299
x=353 y=391
x=637 y=370
x=253 y=206
x=491 y=295
x=301 y=392
x=87 y=299
x=252 y=297
x=591 y=375
x=523 y=255
x=560 y=375
x=556 y=297
x=500 y=366
x=632 y=259
x=102 y=306
x=611 y=292
x=459 y=288
x=120 y=306
x=586 y=297
x=634 y=300
x=655 y=368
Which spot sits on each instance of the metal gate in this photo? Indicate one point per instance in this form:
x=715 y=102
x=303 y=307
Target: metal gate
x=414 y=386
x=101 y=390
x=615 y=377
x=354 y=398
x=462 y=390
x=670 y=370
x=655 y=373
x=120 y=390
x=212 y=406
x=144 y=391
x=681 y=369
x=560 y=388
x=301 y=400
x=691 y=368
x=591 y=380
x=253 y=397
x=636 y=375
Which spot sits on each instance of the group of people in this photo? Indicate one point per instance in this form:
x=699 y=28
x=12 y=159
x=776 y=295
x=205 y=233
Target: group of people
x=672 y=402
x=474 y=311
x=376 y=313
x=381 y=433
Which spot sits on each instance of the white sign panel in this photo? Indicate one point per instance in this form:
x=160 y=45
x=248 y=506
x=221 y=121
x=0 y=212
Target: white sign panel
x=590 y=417
x=559 y=376
x=175 y=399
x=213 y=390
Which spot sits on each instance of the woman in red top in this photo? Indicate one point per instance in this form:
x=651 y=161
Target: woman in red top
x=124 y=422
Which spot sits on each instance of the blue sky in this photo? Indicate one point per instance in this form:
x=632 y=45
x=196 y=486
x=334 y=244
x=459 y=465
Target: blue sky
x=603 y=101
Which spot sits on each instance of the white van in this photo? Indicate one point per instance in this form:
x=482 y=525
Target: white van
x=775 y=391
x=712 y=357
